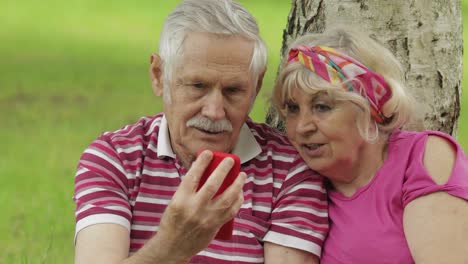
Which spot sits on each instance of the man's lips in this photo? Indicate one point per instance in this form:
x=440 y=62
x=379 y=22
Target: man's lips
x=209 y=132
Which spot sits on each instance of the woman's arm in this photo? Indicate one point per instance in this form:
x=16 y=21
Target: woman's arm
x=436 y=225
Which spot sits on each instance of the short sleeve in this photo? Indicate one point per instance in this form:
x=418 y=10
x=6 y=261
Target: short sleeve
x=101 y=188
x=418 y=182
x=299 y=217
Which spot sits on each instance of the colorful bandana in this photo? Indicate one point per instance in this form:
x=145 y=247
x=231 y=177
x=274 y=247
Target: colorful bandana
x=337 y=68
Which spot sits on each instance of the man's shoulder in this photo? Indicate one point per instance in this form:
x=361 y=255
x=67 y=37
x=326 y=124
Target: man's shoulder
x=132 y=137
x=272 y=142
x=144 y=127
x=266 y=134
x=280 y=154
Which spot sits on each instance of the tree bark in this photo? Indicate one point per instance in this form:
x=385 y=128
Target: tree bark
x=425 y=36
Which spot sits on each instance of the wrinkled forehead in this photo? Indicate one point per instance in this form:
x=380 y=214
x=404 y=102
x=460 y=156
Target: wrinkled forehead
x=218 y=49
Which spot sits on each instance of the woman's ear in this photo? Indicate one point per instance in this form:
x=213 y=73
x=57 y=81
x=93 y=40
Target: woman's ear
x=155 y=72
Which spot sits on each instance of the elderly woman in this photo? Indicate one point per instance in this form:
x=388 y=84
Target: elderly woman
x=395 y=196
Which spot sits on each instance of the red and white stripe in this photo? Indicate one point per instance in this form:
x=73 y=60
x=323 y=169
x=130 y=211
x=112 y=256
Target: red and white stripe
x=121 y=180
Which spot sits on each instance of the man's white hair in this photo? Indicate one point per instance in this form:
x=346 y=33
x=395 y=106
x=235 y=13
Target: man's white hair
x=208 y=16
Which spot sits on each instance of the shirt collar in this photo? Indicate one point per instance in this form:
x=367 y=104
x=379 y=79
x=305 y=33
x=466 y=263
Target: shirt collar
x=246 y=148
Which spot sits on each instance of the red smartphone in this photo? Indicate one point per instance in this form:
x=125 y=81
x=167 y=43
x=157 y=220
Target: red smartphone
x=225 y=232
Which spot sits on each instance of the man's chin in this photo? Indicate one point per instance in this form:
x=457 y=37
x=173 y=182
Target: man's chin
x=200 y=140
x=219 y=146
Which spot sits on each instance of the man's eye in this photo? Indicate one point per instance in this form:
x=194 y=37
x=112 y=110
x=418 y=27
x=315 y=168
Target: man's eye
x=322 y=108
x=232 y=90
x=198 y=85
x=292 y=108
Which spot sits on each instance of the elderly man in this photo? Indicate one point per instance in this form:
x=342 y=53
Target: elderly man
x=136 y=188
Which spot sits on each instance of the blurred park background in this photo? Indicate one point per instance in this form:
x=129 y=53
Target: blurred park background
x=70 y=70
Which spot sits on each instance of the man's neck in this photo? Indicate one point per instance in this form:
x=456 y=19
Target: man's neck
x=185 y=159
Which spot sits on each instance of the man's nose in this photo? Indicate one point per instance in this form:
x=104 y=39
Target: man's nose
x=213 y=107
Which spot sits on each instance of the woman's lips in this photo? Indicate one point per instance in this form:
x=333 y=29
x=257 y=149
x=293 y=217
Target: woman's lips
x=313 y=150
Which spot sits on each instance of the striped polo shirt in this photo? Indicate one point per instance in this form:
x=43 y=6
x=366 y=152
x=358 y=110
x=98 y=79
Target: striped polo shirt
x=129 y=176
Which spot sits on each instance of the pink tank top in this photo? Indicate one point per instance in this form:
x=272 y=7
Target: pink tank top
x=368 y=227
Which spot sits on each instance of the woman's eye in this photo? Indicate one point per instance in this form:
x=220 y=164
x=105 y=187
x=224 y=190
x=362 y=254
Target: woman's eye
x=292 y=108
x=322 y=108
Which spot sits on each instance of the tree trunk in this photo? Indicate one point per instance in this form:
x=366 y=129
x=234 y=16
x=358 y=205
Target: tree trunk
x=425 y=36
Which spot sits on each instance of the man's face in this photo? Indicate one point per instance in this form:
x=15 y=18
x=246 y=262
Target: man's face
x=211 y=94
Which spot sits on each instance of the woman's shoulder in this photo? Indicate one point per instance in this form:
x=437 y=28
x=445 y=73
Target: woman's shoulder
x=405 y=139
x=413 y=150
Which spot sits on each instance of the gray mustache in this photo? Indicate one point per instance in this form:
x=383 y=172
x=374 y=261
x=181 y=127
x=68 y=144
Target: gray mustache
x=203 y=123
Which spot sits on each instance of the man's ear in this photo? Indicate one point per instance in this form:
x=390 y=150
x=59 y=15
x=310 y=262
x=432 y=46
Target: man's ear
x=260 y=80
x=155 y=72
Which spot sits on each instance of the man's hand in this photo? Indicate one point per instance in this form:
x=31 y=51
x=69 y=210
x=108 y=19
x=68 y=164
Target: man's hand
x=188 y=225
x=193 y=218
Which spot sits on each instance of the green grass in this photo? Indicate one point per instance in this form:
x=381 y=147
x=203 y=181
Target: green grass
x=70 y=70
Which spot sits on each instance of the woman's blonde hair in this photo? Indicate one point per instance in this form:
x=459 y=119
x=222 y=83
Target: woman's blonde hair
x=398 y=110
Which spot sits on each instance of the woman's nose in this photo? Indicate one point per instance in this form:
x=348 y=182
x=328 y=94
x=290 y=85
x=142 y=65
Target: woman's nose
x=306 y=123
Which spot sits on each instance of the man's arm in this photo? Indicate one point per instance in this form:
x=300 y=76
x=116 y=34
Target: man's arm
x=299 y=219
x=102 y=243
x=436 y=225
x=109 y=243
x=277 y=254
x=188 y=225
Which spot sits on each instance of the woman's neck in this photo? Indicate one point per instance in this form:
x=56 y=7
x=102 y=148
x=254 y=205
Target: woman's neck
x=348 y=178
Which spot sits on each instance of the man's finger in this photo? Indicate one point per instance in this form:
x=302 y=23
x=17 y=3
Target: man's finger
x=233 y=192
x=193 y=176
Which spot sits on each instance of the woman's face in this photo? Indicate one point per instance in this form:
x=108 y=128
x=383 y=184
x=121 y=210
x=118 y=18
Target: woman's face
x=324 y=131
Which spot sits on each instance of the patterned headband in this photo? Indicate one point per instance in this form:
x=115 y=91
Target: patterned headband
x=337 y=68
